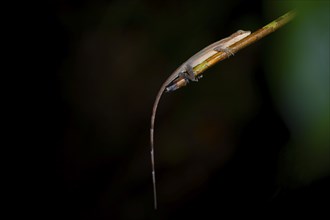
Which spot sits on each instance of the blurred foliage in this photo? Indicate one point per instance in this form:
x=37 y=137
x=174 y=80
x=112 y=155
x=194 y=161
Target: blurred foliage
x=299 y=78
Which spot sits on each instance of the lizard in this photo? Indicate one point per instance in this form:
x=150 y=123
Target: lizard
x=186 y=72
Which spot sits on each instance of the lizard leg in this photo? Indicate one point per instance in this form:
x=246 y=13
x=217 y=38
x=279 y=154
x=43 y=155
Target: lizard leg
x=190 y=74
x=226 y=50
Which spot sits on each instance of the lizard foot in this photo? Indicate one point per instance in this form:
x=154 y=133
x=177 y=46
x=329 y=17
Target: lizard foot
x=226 y=50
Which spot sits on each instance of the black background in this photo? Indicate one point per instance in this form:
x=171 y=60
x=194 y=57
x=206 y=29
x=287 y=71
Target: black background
x=80 y=165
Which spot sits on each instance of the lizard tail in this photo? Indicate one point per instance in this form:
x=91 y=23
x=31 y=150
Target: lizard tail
x=154 y=110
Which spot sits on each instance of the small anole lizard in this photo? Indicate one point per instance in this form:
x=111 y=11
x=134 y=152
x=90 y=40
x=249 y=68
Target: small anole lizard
x=186 y=71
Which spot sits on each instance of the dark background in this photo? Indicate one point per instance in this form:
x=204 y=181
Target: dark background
x=229 y=144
